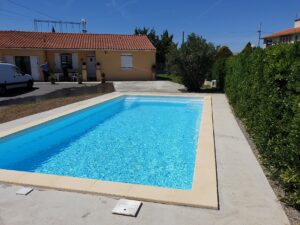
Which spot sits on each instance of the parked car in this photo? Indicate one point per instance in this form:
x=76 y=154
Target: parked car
x=12 y=77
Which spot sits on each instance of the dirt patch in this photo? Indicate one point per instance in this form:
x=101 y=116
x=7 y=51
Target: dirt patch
x=24 y=107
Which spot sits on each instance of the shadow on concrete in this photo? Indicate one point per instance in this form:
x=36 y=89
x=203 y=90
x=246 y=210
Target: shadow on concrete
x=66 y=92
x=204 y=91
x=163 y=78
x=18 y=91
x=211 y=90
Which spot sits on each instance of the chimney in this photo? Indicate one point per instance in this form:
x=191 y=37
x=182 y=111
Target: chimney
x=297 y=23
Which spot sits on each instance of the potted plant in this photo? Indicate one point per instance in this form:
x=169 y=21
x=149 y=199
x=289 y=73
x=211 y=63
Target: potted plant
x=52 y=79
x=79 y=78
x=103 y=78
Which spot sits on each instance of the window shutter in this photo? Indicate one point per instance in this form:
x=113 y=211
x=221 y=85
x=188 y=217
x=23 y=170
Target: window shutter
x=57 y=61
x=126 y=61
x=75 y=61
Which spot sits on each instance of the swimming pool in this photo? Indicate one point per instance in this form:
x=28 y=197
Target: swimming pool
x=203 y=192
x=143 y=140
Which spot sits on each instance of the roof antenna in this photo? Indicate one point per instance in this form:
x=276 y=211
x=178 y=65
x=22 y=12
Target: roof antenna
x=259 y=35
x=60 y=23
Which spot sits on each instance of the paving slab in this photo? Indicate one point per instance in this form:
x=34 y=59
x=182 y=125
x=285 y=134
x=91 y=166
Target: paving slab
x=148 y=86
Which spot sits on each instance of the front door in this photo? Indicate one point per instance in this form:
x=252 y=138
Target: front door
x=91 y=67
x=35 y=72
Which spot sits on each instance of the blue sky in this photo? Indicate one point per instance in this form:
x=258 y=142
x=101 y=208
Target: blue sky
x=223 y=22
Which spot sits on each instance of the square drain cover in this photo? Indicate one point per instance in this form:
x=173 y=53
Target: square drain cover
x=127 y=207
x=24 y=191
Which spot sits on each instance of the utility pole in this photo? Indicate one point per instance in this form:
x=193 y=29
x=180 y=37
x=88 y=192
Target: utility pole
x=259 y=35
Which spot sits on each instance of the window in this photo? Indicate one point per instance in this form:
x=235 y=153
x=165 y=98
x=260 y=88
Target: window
x=126 y=61
x=23 y=62
x=268 y=42
x=18 y=72
x=286 y=39
x=66 y=61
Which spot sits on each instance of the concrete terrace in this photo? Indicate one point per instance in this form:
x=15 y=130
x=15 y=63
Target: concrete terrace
x=245 y=196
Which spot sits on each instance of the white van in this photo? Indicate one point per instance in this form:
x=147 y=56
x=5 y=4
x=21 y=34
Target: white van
x=12 y=77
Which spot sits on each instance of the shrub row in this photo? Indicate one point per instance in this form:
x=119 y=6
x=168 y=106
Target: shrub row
x=263 y=87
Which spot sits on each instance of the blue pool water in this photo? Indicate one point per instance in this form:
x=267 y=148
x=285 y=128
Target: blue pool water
x=137 y=140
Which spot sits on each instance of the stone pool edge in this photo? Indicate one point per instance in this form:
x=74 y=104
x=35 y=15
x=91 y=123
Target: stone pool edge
x=204 y=192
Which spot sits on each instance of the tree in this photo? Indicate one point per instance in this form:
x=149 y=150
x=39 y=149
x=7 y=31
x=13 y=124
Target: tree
x=248 y=48
x=151 y=34
x=223 y=52
x=142 y=31
x=219 y=67
x=53 y=29
x=162 y=44
x=172 y=60
x=193 y=61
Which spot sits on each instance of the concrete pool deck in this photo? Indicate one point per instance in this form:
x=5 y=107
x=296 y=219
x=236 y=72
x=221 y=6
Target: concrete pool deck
x=245 y=196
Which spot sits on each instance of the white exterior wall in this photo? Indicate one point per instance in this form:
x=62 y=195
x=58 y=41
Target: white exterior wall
x=297 y=24
x=294 y=38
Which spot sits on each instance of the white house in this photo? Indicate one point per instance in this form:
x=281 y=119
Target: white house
x=287 y=36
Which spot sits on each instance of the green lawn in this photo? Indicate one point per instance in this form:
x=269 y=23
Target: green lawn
x=170 y=77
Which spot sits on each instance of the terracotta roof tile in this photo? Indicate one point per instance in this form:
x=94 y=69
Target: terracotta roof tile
x=45 y=40
x=283 y=32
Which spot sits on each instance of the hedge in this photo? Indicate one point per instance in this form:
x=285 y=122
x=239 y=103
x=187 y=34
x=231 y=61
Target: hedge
x=263 y=87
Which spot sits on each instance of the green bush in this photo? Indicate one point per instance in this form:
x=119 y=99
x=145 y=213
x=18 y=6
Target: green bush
x=263 y=86
x=219 y=72
x=192 y=61
x=219 y=66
